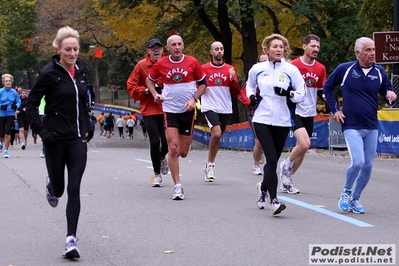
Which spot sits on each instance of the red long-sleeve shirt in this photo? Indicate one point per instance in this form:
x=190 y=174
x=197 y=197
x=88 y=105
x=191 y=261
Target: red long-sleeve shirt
x=136 y=88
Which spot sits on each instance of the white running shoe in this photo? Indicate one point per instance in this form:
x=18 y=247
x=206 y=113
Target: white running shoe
x=164 y=166
x=262 y=196
x=277 y=206
x=178 y=193
x=209 y=171
x=285 y=174
x=290 y=189
x=256 y=170
x=157 y=181
x=262 y=159
x=71 y=250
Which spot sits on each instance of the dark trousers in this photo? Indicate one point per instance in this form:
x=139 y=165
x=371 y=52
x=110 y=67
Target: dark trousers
x=120 y=129
x=158 y=144
x=272 y=139
x=71 y=154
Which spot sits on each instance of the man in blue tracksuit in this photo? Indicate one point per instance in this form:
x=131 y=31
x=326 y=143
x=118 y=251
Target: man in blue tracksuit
x=9 y=103
x=360 y=82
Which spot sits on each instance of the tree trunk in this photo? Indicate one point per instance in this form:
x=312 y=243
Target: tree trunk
x=249 y=44
x=250 y=50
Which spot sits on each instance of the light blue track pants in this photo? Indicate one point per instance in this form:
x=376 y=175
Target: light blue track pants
x=362 y=146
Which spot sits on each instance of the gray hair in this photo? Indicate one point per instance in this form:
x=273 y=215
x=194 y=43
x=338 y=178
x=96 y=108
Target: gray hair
x=4 y=76
x=62 y=34
x=359 y=44
x=173 y=36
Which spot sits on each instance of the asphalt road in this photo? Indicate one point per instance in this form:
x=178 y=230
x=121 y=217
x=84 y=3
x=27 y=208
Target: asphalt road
x=124 y=221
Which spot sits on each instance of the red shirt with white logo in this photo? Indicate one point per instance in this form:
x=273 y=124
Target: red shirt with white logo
x=179 y=81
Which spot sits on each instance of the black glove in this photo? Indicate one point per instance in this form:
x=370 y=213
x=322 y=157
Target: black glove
x=47 y=138
x=14 y=106
x=3 y=107
x=281 y=92
x=254 y=100
x=90 y=135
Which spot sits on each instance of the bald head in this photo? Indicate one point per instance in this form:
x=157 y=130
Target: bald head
x=174 y=38
x=217 y=52
x=175 y=46
x=216 y=44
x=262 y=58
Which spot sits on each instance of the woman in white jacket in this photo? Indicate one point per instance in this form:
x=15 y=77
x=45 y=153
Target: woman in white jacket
x=120 y=123
x=280 y=86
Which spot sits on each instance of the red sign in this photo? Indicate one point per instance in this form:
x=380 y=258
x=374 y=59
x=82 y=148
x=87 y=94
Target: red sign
x=386 y=47
x=98 y=53
x=111 y=87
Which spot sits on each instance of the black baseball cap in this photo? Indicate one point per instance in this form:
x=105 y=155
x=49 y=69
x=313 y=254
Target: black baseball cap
x=152 y=42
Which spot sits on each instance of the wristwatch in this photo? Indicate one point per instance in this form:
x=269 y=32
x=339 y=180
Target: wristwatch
x=195 y=98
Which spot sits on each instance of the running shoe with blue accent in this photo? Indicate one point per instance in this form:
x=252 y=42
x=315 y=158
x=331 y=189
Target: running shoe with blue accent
x=71 y=249
x=285 y=173
x=290 y=189
x=344 y=201
x=52 y=200
x=6 y=155
x=178 y=193
x=356 y=207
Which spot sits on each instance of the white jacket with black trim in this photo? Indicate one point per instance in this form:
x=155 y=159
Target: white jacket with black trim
x=274 y=109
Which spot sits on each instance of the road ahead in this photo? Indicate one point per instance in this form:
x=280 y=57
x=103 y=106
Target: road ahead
x=124 y=221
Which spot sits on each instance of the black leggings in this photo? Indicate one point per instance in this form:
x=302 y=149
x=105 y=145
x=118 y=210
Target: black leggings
x=6 y=125
x=120 y=129
x=158 y=144
x=73 y=155
x=272 y=139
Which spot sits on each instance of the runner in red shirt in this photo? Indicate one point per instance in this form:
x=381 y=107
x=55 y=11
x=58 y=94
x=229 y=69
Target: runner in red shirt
x=216 y=102
x=180 y=74
x=314 y=75
x=152 y=112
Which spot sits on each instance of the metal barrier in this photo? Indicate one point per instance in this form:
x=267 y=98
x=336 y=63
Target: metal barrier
x=336 y=138
x=395 y=84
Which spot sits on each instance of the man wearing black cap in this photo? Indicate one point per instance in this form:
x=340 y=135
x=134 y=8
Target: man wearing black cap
x=151 y=112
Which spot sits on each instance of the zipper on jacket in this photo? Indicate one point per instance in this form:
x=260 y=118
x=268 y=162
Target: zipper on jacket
x=77 y=99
